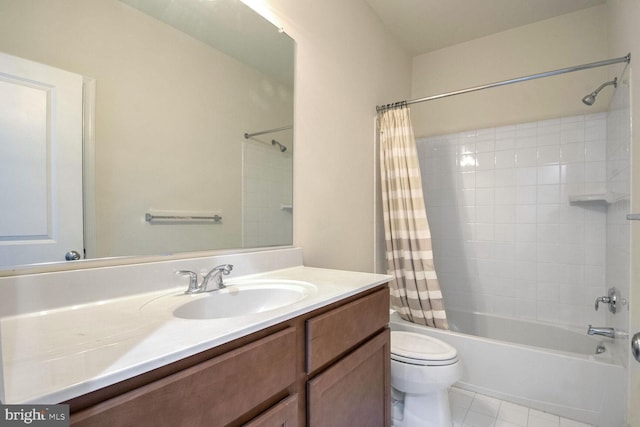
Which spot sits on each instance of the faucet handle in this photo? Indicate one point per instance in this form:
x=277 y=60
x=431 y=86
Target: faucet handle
x=193 y=280
x=225 y=268
x=605 y=300
x=611 y=299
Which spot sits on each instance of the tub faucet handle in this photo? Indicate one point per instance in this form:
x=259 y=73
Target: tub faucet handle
x=611 y=299
x=605 y=300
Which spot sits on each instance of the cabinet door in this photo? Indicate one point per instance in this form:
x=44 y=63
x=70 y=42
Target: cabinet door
x=354 y=392
x=284 y=414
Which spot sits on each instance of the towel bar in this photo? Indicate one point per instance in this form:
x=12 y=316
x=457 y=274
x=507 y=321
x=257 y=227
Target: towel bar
x=216 y=219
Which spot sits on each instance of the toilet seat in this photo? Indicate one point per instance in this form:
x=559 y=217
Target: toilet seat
x=418 y=349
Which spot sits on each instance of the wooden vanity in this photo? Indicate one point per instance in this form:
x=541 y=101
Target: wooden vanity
x=328 y=367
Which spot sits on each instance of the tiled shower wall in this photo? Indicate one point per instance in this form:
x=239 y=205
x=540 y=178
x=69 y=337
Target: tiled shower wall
x=267 y=195
x=618 y=227
x=506 y=238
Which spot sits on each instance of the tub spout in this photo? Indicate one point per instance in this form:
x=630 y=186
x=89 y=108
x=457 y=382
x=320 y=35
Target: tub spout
x=607 y=332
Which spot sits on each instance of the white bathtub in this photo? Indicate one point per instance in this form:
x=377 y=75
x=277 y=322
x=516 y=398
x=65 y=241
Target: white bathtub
x=537 y=365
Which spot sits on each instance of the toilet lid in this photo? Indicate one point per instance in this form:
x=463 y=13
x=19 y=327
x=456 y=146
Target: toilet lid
x=421 y=349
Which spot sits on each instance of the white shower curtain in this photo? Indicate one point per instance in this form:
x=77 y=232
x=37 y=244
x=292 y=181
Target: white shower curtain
x=415 y=291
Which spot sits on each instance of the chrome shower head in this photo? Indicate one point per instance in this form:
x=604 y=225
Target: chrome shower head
x=591 y=98
x=280 y=146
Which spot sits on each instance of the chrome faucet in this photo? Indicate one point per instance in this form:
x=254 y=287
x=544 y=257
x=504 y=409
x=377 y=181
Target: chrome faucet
x=214 y=275
x=607 y=332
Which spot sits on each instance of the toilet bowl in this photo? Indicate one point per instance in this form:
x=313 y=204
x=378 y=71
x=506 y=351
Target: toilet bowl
x=422 y=370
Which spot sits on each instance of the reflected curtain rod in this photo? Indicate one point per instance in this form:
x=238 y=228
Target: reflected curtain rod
x=626 y=58
x=249 y=135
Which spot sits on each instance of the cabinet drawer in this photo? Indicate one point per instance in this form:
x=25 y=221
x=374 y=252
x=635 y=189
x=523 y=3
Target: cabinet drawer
x=284 y=414
x=335 y=332
x=212 y=393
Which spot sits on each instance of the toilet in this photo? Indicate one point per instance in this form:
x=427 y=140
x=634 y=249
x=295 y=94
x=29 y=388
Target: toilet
x=422 y=370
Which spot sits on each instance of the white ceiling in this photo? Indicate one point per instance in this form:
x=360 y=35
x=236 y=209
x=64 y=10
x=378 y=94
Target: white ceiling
x=426 y=25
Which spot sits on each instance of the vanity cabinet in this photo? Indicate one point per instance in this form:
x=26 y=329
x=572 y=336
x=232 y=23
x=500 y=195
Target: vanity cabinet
x=329 y=367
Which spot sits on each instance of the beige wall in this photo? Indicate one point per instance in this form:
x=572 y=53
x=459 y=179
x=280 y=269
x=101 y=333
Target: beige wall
x=560 y=42
x=346 y=65
x=624 y=36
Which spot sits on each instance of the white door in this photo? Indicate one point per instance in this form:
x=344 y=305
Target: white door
x=40 y=162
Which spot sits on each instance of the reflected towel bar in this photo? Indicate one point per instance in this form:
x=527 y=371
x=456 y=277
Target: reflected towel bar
x=216 y=219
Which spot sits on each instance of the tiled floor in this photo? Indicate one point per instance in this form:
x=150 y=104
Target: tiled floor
x=476 y=410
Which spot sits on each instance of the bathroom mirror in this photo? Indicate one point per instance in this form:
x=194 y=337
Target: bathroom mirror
x=170 y=90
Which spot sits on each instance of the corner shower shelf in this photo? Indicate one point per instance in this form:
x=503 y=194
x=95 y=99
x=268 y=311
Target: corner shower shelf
x=606 y=198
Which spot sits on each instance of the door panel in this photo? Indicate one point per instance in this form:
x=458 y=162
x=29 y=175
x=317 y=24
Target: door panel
x=40 y=162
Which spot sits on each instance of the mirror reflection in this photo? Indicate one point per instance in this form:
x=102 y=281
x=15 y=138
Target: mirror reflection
x=158 y=162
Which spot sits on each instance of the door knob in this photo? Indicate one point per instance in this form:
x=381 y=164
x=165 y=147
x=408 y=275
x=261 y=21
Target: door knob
x=72 y=256
x=635 y=346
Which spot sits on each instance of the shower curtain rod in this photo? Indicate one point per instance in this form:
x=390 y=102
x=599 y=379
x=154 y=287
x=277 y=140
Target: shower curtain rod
x=249 y=135
x=626 y=58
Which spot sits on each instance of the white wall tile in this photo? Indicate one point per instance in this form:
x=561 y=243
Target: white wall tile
x=467 y=180
x=549 y=174
x=526 y=176
x=526 y=214
x=505 y=215
x=505 y=159
x=548 y=194
x=595 y=150
x=485 y=160
x=573 y=152
x=485 y=196
x=527 y=195
x=548 y=155
x=485 y=144
x=527 y=156
x=504 y=177
x=549 y=214
x=505 y=195
x=485 y=179
x=527 y=232
x=507 y=231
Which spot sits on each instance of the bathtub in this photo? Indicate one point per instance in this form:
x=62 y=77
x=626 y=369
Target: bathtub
x=533 y=364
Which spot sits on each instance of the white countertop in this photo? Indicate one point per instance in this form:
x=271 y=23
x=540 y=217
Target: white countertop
x=54 y=355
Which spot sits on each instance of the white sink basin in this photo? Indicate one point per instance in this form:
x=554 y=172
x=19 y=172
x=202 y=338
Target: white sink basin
x=237 y=299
